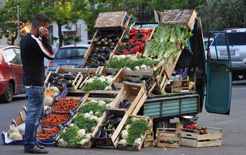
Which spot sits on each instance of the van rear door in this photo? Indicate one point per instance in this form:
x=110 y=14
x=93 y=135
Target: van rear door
x=219 y=78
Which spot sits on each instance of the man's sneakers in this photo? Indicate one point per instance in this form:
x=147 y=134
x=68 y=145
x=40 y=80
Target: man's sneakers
x=36 y=150
x=40 y=146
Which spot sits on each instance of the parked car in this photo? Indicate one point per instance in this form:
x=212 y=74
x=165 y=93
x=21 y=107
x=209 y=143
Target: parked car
x=68 y=57
x=10 y=73
x=237 y=46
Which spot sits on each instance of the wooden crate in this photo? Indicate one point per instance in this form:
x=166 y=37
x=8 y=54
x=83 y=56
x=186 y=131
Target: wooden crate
x=84 y=71
x=213 y=138
x=134 y=94
x=108 y=71
x=113 y=140
x=167 y=137
x=136 y=146
x=98 y=33
x=75 y=84
x=124 y=75
x=148 y=141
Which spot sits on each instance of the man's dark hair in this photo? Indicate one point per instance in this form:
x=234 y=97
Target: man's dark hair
x=39 y=19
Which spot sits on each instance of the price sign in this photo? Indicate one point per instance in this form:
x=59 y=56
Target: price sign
x=177 y=16
x=110 y=19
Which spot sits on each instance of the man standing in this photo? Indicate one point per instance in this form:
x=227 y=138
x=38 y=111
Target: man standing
x=34 y=47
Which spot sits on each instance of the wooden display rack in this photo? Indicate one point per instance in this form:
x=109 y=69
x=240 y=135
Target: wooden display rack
x=136 y=146
x=134 y=94
x=213 y=138
x=168 y=137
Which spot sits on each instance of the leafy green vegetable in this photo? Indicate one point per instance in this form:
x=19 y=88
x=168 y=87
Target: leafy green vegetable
x=93 y=106
x=99 y=82
x=71 y=136
x=84 y=123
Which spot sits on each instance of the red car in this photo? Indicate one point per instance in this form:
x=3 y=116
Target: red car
x=10 y=73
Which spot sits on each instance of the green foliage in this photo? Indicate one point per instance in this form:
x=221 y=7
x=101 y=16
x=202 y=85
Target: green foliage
x=93 y=106
x=84 y=123
x=218 y=15
x=71 y=136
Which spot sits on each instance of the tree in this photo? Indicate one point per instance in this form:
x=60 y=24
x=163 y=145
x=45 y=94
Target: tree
x=221 y=14
x=9 y=26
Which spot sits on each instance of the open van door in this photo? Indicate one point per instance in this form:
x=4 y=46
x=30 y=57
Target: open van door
x=219 y=78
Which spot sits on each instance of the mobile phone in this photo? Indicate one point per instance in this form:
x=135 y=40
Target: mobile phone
x=41 y=30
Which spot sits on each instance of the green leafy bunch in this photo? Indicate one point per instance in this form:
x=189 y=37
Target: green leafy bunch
x=84 y=123
x=71 y=136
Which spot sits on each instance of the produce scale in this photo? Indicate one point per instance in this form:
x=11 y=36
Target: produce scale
x=136 y=77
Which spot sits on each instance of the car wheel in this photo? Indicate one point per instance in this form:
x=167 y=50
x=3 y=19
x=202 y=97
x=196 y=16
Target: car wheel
x=8 y=94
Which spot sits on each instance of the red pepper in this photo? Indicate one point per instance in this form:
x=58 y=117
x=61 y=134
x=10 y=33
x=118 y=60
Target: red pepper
x=142 y=46
x=130 y=34
x=134 y=37
x=135 y=49
x=131 y=40
x=135 y=33
x=150 y=30
x=125 y=52
x=149 y=33
x=144 y=31
x=138 y=43
x=133 y=30
x=145 y=38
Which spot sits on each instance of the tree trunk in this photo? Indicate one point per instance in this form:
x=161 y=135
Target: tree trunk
x=13 y=38
x=60 y=34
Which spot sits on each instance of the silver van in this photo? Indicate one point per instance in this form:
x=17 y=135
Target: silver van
x=237 y=46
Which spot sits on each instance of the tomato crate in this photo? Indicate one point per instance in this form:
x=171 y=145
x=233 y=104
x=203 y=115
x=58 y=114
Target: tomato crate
x=56 y=79
x=130 y=94
x=66 y=105
x=112 y=140
x=54 y=120
x=168 y=137
x=48 y=137
x=194 y=138
x=148 y=83
x=136 y=146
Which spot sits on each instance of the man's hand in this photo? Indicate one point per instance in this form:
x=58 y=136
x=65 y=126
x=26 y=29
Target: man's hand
x=44 y=32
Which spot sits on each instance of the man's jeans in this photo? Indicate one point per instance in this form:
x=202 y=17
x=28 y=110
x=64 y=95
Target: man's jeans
x=35 y=112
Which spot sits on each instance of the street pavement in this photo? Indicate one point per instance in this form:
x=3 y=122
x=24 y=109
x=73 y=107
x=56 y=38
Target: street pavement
x=233 y=137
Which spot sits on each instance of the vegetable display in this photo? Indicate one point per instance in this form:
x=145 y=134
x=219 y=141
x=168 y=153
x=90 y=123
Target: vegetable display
x=45 y=134
x=124 y=104
x=56 y=79
x=94 y=106
x=109 y=124
x=133 y=131
x=130 y=62
x=134 y=41
x=65 y=104
x=165 y=41
x=104 y=46
x=54 y=119
x=99 y=82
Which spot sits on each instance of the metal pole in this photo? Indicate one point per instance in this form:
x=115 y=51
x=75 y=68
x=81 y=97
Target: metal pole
x=18 y=14
x=245 y=20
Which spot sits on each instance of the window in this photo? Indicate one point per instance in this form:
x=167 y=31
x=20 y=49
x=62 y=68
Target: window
x=237 y=38
x=17 y=51
x=11 y=56
x=70 y=53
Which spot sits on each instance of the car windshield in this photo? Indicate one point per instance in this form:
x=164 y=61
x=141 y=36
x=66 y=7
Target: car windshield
x=233 y=38
x=70 y=53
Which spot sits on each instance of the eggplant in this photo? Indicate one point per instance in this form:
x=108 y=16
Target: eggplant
x=57 y=75
x=138 y=81
x=100 y=50
x=98 y=43
x=105 y=43
x=105 y=125
x=111 y=47
x=104 y=134
x=107 y=50
x=115 y=39
x=106 y=56
x=110 y=36
x=110 y=40
x=98 y=133
x=101 y=63
x=126 y=106
x=144 y=77
x=69 y=76
x=112 y=44
x=101 y=58
x=51 y=78
x=115 y=121
x=109 y=117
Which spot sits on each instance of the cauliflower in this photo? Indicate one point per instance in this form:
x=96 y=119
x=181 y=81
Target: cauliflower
x=98 y=113
x=88 y=136
x=128 y=69
x=102 y=79
x=89 y=81
x=99 y=119
x=101 y=103
x=143 y=67
x=71 y=125
x=137 y=68
x=81 y=132
x=123 y=141
x=91 y=112
x=107 y=88
x=94 y=117
x=135 y=119
x=124 y=134
x=83 y=141
x=94 y=101
x=138 y=141
x=87 y=115
x=127 y=126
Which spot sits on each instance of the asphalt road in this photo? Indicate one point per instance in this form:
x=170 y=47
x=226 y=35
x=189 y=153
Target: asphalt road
x=233 y=137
